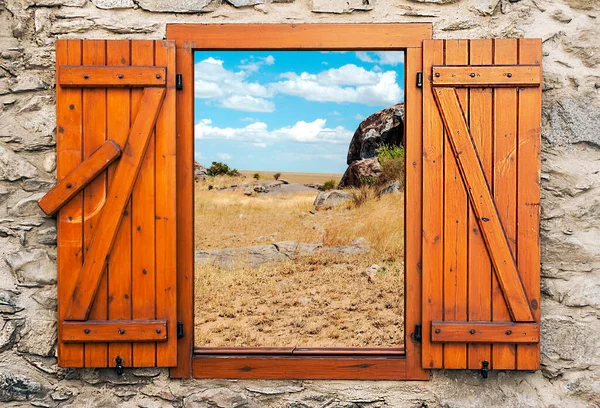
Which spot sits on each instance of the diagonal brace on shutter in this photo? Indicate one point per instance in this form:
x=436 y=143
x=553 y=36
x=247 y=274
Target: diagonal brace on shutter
x=97 y=256
x=483 y=204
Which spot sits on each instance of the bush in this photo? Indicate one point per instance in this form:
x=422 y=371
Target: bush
x=363 y=194
x=329 y=185
x=276 y=176
x=391 y=159
x=256 y=176
x=221 y=169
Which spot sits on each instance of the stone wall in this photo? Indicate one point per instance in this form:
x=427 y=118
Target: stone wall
x=570 y=374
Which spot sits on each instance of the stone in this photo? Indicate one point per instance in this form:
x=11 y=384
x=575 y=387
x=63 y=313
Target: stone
x=27 y=83
x=14 y=167
x=39 y=336
x=569 y=121
x=216 y=397
x=485 y=7
x=560 y=15
x=460 y=25
x=276 y=390
x=8 y=333
x=32 y=266
x=330 y=199
x=179 y=6
x=113 y=4
x=28 y=206
x=7 y=304
x=341 y=6
x=361 y=172
x=63 y=3
x=385 y=127
x=435 y=1
x=392 y=188
x=17 y=387
x=245 y=3
x=49 y=163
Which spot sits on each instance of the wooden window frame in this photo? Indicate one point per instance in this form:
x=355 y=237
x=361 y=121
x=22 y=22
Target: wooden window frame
x=263 y=363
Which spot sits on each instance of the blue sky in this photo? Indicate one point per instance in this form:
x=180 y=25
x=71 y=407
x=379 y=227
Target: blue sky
x=293 y=111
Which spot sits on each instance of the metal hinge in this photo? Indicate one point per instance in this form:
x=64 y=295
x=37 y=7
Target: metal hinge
x=179 y=82
x=179 y=330
x=419 y=80
x=417 y=335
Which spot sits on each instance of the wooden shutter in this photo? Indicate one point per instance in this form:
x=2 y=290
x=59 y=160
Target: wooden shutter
x=481 y=165
x=115 y=103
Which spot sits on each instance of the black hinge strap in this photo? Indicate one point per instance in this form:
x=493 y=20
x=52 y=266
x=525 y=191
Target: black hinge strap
x=419 y=80
x=179 y=82
x=179 y=330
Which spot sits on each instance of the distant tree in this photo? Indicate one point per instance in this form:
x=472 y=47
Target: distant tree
x=276 y=176
x=256 y=176
x=221 y=169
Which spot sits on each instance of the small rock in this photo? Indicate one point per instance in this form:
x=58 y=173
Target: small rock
x=330 y=199
x=371 y=272
x=341 y=6
x=180 y=6
x=49 y=163
x=32 y=266
x=26 y=83
x=28 y=206
x=16 y=387
x=391 y=189
x=304 y=300
x=561 y=16
x=113 y=4
x=14 y=167
x=360 y=241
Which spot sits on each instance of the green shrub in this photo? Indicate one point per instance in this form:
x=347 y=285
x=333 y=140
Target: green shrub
x=391 y=159
x=256 y=176
x=368 y=180
x=276 y=176
x=329 y=185
x=221 y=169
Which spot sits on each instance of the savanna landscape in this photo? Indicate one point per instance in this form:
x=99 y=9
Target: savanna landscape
x=300 y=256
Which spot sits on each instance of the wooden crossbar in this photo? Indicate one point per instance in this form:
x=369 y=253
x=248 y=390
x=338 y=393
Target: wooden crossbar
x=114 y=331
x=487 y=76
x=112 y=76
x=97 y=256
x=483 y=204
x=484 y=332
x=81 y=176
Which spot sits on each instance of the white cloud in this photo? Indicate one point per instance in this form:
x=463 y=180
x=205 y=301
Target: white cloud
x=230 y=89
x=269 y=60
x=358 y=116
x=224 y=156
x=259 y=135
x=348 y=83
x=382 y=57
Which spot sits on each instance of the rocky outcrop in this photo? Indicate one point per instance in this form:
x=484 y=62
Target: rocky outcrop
x=200 y=172
x=329 y=199
x=385 y=127
x=360 y=172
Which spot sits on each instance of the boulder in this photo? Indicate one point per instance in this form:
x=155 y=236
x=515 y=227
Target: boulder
x=360 y=170
x=329 y=199
x=199 y=171
x=391 y=188
x=383 y=127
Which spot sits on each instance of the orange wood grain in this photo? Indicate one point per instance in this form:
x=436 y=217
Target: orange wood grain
x=283 y=367
x=480 y=271
x=185 y=212
x=114 y=331
x=455 y=224
x=97 y=256
x=143 y=255
x=488 y=76
x=483 y=204
x=79 y=177
x=485 y=332
x=505 y=187
x=301 y=36
x=528 y=204
x=119 y=267
x=433 y=205
x=103 y=77
x=413 y=148
x=94 y=134
x=166 y=208
x=69 y=222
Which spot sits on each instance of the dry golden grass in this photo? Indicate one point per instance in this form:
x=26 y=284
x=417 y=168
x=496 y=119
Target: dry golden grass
x=295 y=177
x=315 y=300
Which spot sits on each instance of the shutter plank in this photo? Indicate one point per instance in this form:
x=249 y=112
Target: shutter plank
x=455 y=225
x=119 y=267
x=505 y=187
x=488 y=76
x=70 y=239
x=528 y=206
x=165 y=173
x=94 y=134
x=142 y=232
x=480 y=268
x=485 y=332
x=115 y=331
x=433 y=202
x=102 y=77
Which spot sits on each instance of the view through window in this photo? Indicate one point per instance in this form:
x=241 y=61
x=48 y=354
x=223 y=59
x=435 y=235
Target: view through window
x=299 y=199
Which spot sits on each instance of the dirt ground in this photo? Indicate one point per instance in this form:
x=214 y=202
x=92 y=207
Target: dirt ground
x=311 y=300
